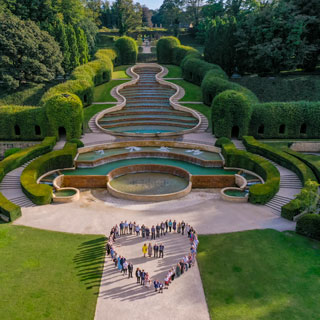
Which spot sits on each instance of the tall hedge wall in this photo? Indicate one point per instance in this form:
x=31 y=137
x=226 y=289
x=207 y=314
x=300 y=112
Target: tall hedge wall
x=284 y=159
x=42 y=193
x=65 y=113
x=286 y=120
x=127 y=50
x=7 y=208
x=231 y=109
x=259 y=193
x=22 y=123
x=165 y=48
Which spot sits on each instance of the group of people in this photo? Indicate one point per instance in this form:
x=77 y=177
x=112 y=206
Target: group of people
x=157 y=250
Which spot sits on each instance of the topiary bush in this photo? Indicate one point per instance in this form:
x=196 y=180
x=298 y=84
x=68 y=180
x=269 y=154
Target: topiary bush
x=127 y=50
x=212 y=85
x=82 y=88
x=106 y=54
x=231 y=113
x=309 y=225
x=280 y=157
x=258 y=193
x=165 y=48
x=286 y=120
x=78 y=142
x=23 y=123
x=195 y=69
x=11 y=151
x=291 y=209
x=10 y=210
x=65 y=115
x=180 y=52
x=41 y=193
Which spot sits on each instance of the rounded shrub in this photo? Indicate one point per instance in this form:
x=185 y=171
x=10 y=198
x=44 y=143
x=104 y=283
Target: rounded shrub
x=11 y=151
x=165 y=49
x=309 y=225
x=106 y=54
x=179 y=53
x=212 y=85
x=127 y=50
x=231 y=109
x=78 y=142
x=65 y=115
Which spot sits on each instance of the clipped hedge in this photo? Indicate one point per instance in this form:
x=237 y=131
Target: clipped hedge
x=282 y=158
x=230 y=109
x=180 y=52
x=291 y=209
x=64 y=111
x=82 y=88
x=309 y=225
x=259 y=193
x=21 y=123
x=11 y=151
x=41 y=193
x=286 y=120
x=195 y=69
x=7 y=208
x=212 y=85
x=127 y=50
x=165 y=47
x=107 y=54
x=78 y=142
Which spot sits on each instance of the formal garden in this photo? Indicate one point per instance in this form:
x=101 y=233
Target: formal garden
x=205 y=112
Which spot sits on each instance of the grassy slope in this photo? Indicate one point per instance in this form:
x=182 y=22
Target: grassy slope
x=260 y=274
x=102 y=93
x=174 y=71
x=205 y=110
x=120 y=72
x=90 y=111
x=193 y=92
x=48 y=275
x=288 y=88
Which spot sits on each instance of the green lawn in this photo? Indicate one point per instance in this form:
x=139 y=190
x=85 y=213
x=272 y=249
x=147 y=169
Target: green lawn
x=49 y=275
x=205 y=110
x=260 y=274
x=102 y=92
x=120 y=72
x=90 y=111
x=193 y=92
x=174 y=71
x=28 y=95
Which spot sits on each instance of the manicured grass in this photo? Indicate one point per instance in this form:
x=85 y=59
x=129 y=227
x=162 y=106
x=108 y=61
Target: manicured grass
x=120 y=72
x=28 y=95
x=90 y=111
x=174 y=71
x=260 y=274
x=49 y=275
x=205 y=110
x=283 y=88
x=102 y=92
x=193 y=92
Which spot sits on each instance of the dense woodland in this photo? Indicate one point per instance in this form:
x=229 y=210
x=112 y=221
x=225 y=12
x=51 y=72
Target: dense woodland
x=40 y=40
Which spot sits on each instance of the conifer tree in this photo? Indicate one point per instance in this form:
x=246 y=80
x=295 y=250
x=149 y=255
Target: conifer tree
x=73 y=47
x=61 y=36
x=82 y=46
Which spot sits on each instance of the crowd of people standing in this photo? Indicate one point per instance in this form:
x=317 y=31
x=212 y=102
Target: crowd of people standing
x=157 y=250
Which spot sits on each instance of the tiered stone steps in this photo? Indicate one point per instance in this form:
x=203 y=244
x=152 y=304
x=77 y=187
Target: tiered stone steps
x=290 y=184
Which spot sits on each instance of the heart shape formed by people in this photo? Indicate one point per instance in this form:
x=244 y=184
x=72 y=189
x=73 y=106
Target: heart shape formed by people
x=154 y=257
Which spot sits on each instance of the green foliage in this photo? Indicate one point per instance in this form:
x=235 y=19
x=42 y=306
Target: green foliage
x=106 y=54
x=212 y=85
x=11 y=151
x=65 y=113
x=231 y=109
x=195 y=69
x=286 y=120
x=291 y=209
x=78 y=142
x=82 y=45
x=127 y=50
x=280 y=157
x=192 y=91
x=259 y=193
x=73 y=47
x=309 y=225
x=22 y=123
x=27 y=54
x=179 y=52
x=14 y=161
x=41 y=193
x=82 y=88
x=165 y=48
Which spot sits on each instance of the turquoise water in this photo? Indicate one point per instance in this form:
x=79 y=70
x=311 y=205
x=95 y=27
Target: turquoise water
x=143 y=116
x=65 y=193
x=91 y=156
x=235 y=193
x=191 y=168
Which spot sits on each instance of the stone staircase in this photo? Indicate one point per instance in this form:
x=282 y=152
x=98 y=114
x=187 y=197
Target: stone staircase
x=290 y=184
x=204 y=123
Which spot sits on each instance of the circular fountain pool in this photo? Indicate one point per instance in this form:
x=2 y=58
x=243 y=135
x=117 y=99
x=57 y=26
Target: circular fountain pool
x=149 y=182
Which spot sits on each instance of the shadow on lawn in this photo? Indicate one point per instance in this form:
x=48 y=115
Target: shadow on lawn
x=89 y=262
